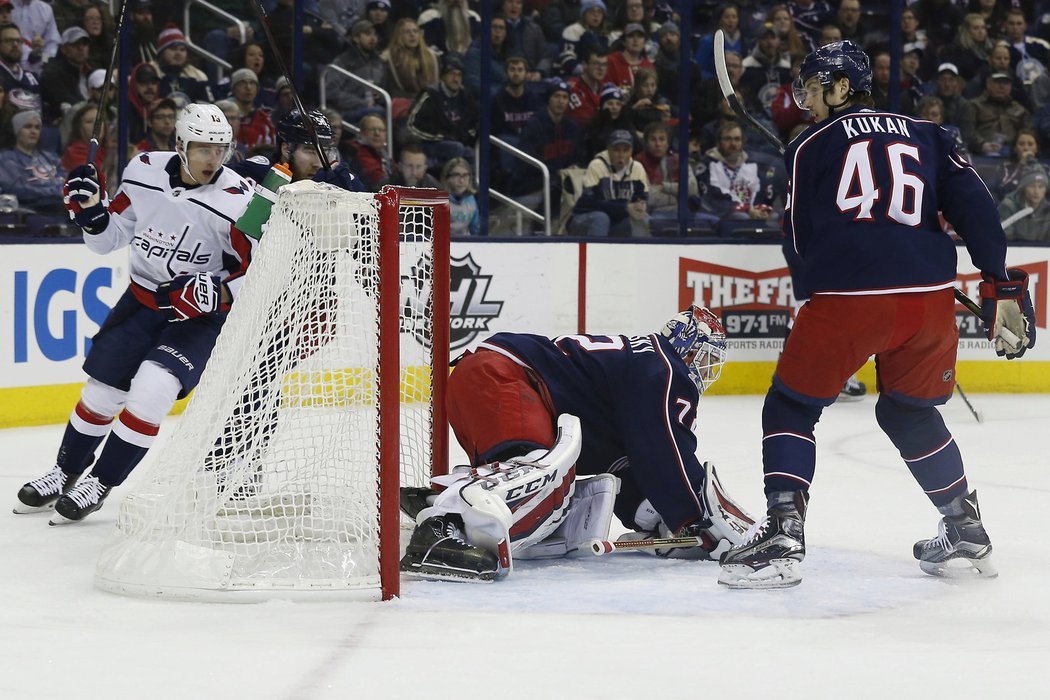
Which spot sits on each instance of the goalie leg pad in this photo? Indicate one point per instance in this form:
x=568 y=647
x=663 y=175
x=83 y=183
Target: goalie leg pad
x=589 y=517
x=514 y=504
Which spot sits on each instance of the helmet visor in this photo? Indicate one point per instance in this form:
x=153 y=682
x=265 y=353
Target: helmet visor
x=806 y=90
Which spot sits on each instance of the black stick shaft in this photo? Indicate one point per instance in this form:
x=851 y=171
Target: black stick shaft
x=264 y=20
x=99 y=115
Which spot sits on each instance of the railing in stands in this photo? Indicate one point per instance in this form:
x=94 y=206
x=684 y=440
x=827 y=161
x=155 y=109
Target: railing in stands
x=242 y=28
x=322 y=87
x=521 y=209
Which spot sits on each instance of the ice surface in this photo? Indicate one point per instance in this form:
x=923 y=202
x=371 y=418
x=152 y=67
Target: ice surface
x=865 y=623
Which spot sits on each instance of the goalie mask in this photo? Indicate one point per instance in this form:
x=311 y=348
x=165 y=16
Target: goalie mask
x=202 y=123
x=698 y=337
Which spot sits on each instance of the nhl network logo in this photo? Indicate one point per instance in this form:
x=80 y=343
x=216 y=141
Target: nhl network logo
x=470 y=311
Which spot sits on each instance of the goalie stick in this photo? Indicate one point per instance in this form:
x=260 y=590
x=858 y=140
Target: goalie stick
x=602 y=547
x=730 y=95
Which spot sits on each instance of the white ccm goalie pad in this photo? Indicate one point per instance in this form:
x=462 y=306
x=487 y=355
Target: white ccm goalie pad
x=511 y=505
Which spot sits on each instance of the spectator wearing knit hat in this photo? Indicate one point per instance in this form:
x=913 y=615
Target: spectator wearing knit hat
x=256 y=129
x=590 y=30
x=611 y=117
x=64 y=80
x=1025 y=212
x=32 y=175
x=669 y=39
x=551 y=136
x=177 y=74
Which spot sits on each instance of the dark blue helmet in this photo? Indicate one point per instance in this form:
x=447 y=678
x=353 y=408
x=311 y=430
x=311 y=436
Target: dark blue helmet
x=292 y=129
x=840 y=57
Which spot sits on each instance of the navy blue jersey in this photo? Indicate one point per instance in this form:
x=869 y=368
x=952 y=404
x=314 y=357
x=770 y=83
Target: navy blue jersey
x=636 y=405
x=865 y=192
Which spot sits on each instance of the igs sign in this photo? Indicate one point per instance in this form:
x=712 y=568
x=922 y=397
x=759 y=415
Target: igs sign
x=51 y=311
x=752 y=305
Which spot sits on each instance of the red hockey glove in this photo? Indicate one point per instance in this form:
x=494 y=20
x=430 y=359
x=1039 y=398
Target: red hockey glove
x=84 y=195
x=190 y=296
x=1007 y=312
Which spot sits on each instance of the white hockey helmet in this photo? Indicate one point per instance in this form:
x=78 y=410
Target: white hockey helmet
x=698 y=337
x=202 y=123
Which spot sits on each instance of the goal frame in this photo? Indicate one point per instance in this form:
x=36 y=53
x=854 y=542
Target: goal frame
x=391 y=199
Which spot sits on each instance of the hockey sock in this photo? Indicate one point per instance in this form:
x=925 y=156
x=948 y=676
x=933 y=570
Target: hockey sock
x=84 y=431
x=929 y=450
x=127 y=445
x=789 y=448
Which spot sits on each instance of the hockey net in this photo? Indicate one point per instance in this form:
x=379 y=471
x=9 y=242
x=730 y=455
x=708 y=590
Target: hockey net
x=320 y=399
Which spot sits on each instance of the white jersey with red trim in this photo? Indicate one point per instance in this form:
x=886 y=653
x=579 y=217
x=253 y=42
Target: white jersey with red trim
x=174 y=230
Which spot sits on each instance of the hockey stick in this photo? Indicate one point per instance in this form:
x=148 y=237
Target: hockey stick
x=93 y=144
x=1016 y=216
x=976 y=414
x=730 y=94
x=602 y=547
x=264 y=20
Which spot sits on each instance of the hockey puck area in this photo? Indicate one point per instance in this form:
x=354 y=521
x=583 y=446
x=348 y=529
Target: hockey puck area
x=835 y=583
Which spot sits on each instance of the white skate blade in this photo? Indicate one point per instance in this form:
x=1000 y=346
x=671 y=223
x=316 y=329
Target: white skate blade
x=59 y=519
x=428 y=573
x=961 y=568
x=780 y=573
x=22 y=509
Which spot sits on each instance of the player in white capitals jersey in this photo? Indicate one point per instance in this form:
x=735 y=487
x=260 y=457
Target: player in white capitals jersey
x=175 y=212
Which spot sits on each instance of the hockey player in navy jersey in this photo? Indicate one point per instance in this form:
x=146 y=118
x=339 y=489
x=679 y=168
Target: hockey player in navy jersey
x=533 y=412
x=175 y=213
x=865 y=189
x=297 y=150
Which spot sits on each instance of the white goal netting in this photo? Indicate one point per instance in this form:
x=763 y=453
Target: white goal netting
x=271 y=480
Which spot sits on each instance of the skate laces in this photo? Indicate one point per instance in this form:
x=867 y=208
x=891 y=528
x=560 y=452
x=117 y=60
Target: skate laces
x=87 y=492
x=453 y=532
x=941 y=541
x=757 y=529
x=50 y=483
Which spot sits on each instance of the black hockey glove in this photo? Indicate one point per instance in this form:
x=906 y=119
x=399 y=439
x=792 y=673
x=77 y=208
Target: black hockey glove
x=84 y=195
x=340 y=176
x=1006 y=309
x=190 y=296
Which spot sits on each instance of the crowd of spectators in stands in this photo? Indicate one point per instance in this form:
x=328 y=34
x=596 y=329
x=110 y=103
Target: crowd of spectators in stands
x=589 y=87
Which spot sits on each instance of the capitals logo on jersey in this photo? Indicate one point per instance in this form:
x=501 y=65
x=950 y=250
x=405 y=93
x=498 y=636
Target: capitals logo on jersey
x=164 y=245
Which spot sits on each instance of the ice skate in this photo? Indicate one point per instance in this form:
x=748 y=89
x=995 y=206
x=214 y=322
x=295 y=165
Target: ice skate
x=961 y=547
x=853 y=389
x=40 y=494
x=772 y=550
x=414 y=499
x=438 y=550
x=82 y=500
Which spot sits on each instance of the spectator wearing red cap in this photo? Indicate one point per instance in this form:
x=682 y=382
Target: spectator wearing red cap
x=64 y=80
x=177 y=74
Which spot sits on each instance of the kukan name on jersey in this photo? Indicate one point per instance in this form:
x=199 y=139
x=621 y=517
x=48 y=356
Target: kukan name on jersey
x=855 y=126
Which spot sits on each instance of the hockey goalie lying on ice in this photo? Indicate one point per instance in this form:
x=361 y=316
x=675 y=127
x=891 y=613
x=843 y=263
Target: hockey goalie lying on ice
x=533 y=413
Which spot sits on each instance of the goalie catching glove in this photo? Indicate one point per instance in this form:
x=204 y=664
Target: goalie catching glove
x=190 y=296
x=84 y=195
x=1006 y=306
